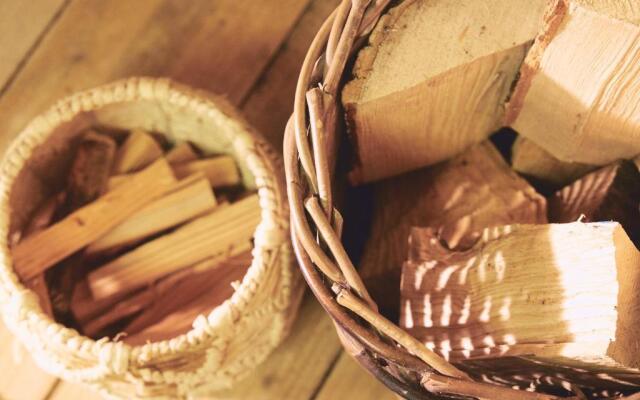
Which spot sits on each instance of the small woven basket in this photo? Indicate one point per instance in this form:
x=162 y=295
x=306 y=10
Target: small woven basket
x=401 y=362
x=222 y=346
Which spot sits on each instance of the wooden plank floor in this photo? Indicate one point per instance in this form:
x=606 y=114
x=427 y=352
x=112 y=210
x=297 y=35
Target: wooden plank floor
x=250 y=51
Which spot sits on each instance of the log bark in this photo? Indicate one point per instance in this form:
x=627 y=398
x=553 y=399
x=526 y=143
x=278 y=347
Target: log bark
x=44 y=249
x=611 y=193
x=200 y=239
x=434 y=80
x=458 y=198
x=579 y=89
x=558 y=290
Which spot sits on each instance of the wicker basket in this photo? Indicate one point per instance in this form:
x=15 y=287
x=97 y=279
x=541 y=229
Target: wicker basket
x=401 y=362
x=223 y=346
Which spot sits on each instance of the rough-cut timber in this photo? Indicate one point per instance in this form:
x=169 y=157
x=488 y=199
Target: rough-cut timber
x=44 y=249
x=579 y=92
x=192 y=199
x=458 y=198
x=532 y=161
x=553 y=290
x=214 y=233
x=611 y=193
x=221 y=171
x=434 y=80
x=139 y=150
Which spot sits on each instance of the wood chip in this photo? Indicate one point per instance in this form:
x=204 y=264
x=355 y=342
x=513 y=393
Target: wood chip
x=181 y=153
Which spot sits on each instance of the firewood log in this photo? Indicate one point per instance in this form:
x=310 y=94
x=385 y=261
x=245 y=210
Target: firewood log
x=181 y=153
x=192 y=297
x=194 y=198
x=139 y=150
x=156 y=295
x=200 y=239
x=579 y=88
x=532 y=161
x=221 y=171
x=459 y=198
x=557 y=290
x=434 y=80
x=611 y=193
x=44 y=249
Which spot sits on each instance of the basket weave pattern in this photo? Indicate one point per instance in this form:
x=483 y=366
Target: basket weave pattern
x=223 y=346
x=400 y=361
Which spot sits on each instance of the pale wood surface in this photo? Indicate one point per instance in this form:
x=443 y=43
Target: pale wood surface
x=251 y=52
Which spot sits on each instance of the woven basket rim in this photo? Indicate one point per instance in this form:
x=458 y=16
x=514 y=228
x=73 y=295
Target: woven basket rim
x=21 y=300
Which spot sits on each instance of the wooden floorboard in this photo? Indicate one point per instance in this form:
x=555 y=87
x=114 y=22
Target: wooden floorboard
x=22 y=23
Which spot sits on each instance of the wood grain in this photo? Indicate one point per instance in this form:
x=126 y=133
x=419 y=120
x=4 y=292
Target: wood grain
x=21 y=23
x=210 y=45
x=296 y=369
x=348 y=380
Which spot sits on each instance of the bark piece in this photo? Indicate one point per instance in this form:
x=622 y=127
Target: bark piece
x=611 y=193
x=458 y=198
x=220 y=171
x=139 y=150
x=579 y=89
x=44 y=249
x=200 y=239
x=192 y=297
x=90 y=170
x=434 y=80
x=558 y=290
x=194 y=198
x=533 y=161
x=181 y=153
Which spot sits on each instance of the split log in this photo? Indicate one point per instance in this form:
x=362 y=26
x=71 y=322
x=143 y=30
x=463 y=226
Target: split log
x=139 y=150
x=193 y=197
x=534 y=162
x=579 y=89
x=181 y=153
x=611 y=193
x=44 y=249
x=200 y=239
x=221 y=171
x=193 y=297
x=459 y=198
x=434 y=80
x=155 y=295
x=559 y=290
x=90 y=170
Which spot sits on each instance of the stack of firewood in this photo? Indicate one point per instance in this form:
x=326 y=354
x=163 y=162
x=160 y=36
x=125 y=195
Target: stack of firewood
x=144 y=237
x=528 y=252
